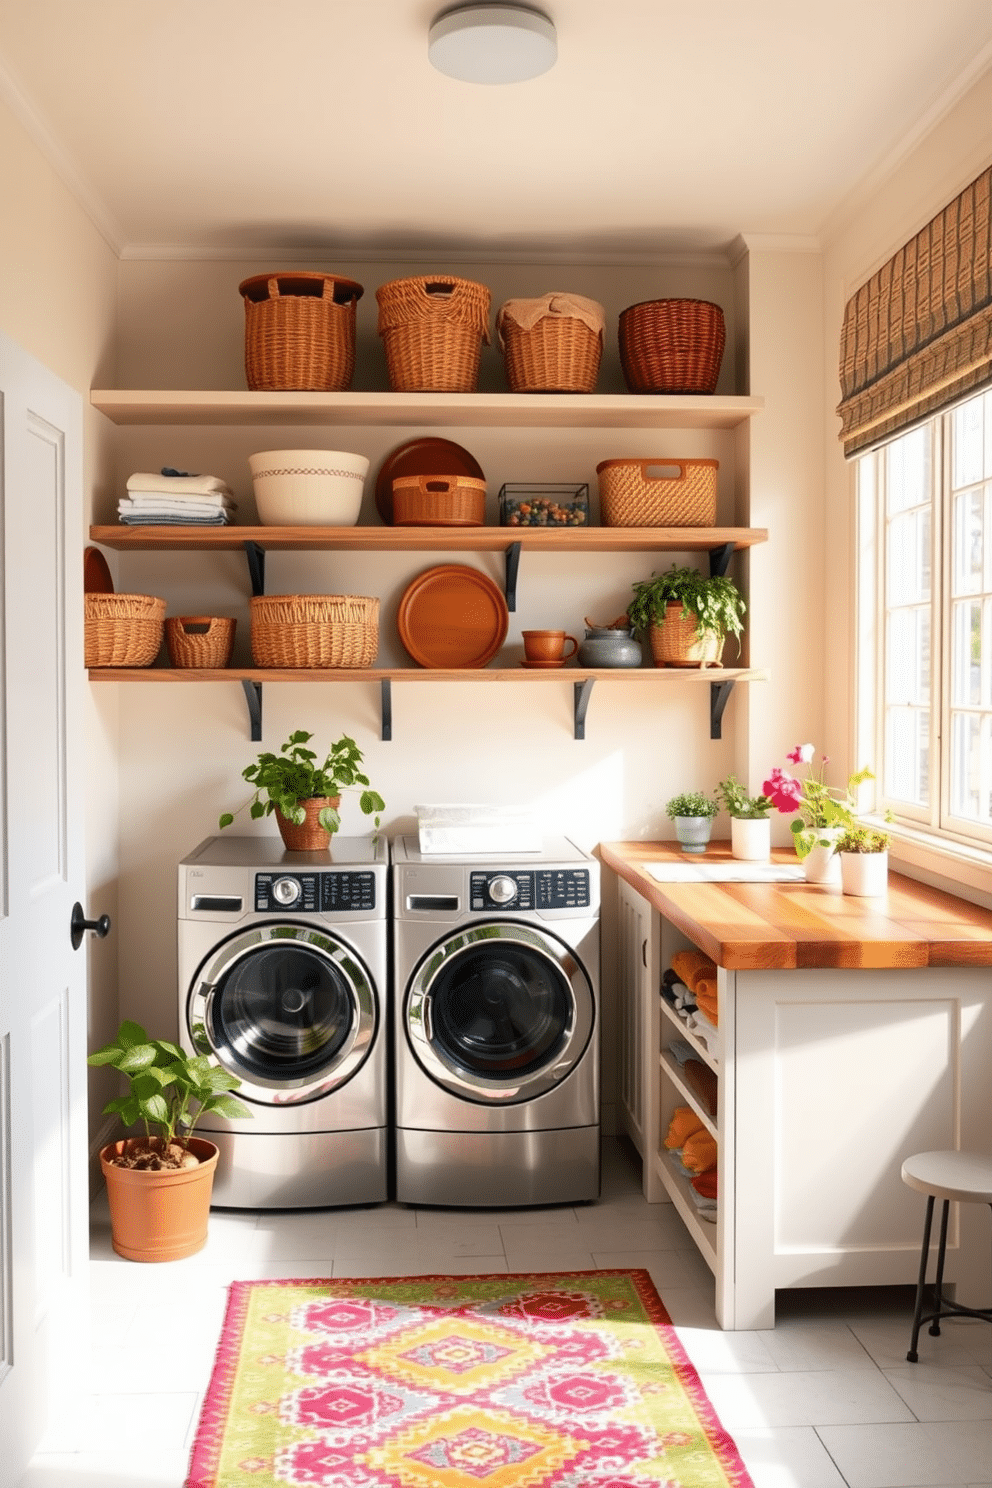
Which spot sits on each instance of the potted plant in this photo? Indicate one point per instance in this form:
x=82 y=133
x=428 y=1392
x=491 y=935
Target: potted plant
x=824 y=812
x=693 y=814
x=687 y=615
x=159 y=1185
x=750 y=825
x=864 y=860
x=305 y=795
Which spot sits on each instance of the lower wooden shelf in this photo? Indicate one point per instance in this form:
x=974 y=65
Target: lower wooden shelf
x=678 y=1190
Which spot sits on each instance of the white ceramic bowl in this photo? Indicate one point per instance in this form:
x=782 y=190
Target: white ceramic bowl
x=308 y=488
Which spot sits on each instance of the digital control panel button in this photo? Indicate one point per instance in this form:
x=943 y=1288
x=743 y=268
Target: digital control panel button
x=504 y=890
x=315 y=893
x=563 y=888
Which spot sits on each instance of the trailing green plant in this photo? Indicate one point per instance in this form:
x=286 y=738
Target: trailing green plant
x=715 y=601
x=863 y=840
x=169 y=1090
x=293 y=776
x=691 y=803
x=734 y=799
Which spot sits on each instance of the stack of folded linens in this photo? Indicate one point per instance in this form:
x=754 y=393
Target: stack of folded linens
x=176 y=498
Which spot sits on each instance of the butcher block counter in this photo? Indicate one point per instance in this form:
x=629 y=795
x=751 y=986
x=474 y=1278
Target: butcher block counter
x=850 y=1033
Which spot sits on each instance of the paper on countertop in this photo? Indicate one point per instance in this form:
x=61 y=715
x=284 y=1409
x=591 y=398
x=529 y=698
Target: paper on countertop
x=737 y=872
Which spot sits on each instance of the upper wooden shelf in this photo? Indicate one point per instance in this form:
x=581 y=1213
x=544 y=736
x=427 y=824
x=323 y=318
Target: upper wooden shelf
x=483 y=410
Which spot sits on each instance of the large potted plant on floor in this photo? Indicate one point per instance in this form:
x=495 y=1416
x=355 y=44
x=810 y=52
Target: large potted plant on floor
x=687 y=616
x=304 y=795
x=159 y=1184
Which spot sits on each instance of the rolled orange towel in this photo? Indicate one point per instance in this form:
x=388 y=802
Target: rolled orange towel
x=705 y=1183
x=706 y=1002
x=683 y=1123
x=690 y=965
x=699 y=1152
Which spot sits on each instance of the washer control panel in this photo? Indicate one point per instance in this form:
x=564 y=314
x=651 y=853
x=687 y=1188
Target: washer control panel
x=543 y=888
x=314 y=893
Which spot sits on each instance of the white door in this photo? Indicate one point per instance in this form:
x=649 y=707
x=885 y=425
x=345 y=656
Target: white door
x=43 y=1149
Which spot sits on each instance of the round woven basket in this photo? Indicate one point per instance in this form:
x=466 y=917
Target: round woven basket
x=122 y=630
x=199 y=640
x=314 y=630
x=672 y=346
x=675 y=641
x=438 y=501
x=433 y=329
x=299 y=331
x=559 y=354
x=309 y=836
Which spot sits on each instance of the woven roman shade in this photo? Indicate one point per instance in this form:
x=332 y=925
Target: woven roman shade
x=918 y=335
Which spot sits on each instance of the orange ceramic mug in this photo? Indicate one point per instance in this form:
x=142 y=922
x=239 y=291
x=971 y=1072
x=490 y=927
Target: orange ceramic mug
x=549 y=645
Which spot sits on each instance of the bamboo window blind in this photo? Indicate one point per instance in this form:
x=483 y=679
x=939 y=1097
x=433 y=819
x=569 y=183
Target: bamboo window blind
x=918 y=334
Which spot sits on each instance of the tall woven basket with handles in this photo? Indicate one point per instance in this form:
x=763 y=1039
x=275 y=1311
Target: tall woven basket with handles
x=314 y=630
x=299 y=331
x=433 y=329
x=672 y=346
x=657 y=493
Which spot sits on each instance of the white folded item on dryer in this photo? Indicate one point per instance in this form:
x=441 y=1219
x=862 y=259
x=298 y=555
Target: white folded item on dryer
x=178 y=485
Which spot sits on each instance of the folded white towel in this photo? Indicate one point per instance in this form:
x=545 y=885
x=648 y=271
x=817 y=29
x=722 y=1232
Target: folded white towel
x=147 y=501
x=183 y=511
x=166 y=519
x=178 y=485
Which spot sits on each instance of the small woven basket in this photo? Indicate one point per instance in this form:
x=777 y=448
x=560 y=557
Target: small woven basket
x=299 y=332
x=199 y=640
x=314 y=630
x=432 y=330
x=672 y=346
x=122 y=630
x=676 y=641
x=657 y=493
x=560 y=354
x=438 y=501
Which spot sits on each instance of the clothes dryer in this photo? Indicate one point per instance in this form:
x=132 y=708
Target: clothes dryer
x=283 y=967
x=496 y=1026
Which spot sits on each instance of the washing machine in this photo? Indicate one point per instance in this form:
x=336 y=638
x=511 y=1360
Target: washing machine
x=283 y=976
x=496 y=1026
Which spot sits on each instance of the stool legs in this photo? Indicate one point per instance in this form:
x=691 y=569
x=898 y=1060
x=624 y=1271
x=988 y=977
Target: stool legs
x=941 y=1307
x=921 y=1284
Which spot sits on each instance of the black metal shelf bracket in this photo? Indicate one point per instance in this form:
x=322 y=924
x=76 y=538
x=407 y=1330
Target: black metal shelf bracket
x=719 y=693
x=253 y=697
x=512 y=569
x=720 y=559
x=256 y=566
x=386 y=686
x=583 y=692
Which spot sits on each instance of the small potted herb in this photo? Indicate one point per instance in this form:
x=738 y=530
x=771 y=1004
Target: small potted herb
x=693 y=814
x=864 y=861
x=750 y=825
x=305 y=795
x=687 y=615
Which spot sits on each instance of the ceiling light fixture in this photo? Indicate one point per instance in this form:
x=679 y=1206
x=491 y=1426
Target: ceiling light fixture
x=492 y=43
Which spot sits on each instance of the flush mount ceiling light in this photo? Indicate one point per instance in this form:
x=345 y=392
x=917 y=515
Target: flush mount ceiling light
x=492 y=43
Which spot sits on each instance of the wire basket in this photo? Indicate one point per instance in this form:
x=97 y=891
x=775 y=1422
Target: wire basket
x=122 y=630
x=657 y=493
x=199 y=640
x=314 y=630
x=438 y=501
x=432 y=329
x=558 y=354
x=672 y=346
x=299 y=331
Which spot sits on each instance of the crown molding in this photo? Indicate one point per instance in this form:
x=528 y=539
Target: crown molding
x=592 y=258
x=758 y=242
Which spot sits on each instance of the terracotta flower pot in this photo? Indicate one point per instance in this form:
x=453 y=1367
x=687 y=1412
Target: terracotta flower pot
x=160 y=1216
x=310 y=836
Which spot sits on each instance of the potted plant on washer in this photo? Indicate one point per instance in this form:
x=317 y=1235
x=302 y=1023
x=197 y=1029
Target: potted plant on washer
x=693 y=814
x=864 y=861
x=687 y=615
x=305 y=795
x=159 y=1185
x=750 y=825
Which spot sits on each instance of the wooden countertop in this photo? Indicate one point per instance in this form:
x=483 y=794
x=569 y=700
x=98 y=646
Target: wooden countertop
x=768 y=926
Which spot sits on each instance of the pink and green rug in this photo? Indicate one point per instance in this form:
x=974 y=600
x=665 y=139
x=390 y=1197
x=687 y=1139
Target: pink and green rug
x=566 y=1380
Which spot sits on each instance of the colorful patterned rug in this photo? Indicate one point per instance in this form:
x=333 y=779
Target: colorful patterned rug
x=566 y=1380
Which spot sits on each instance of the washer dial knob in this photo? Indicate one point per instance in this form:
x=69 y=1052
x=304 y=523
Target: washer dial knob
x=286 y=890
x=502 y=889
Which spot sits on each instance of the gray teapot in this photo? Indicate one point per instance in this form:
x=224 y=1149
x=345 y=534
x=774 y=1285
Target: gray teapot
x=609 y=646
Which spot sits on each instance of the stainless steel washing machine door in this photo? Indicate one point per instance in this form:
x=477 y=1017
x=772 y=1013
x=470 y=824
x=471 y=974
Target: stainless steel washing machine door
x=499 y=1012
x=287 y=1008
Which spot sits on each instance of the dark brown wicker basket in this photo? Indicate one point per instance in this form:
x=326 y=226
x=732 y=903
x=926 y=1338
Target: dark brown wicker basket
x=672 y=346
x=299 y=332
x=432 y=329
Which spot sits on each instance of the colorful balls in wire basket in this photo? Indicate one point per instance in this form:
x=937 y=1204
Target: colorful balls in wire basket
x=308 y=488
x=314 y=630
x=199 y=640
x=672 y=346
x=122 y=630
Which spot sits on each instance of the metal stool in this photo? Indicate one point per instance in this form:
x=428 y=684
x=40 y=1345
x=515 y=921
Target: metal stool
x=962 y=1176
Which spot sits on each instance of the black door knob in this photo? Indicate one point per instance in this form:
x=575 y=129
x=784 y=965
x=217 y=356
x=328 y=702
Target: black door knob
x=79 y=924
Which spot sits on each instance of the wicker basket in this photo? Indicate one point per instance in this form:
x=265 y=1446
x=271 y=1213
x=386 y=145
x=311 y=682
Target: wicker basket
x=657 y=493
x=672 y=346
x=438 y=501
x=558 y=354
x=199 y=640
x=432 y=330
x=122 y=630
x=299 y=331
x=676 y=641
x=314 y=630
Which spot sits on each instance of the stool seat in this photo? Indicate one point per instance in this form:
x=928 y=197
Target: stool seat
x=965 y=1176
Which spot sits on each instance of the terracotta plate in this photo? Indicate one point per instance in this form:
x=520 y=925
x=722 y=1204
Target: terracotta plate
x=96 y=574
x=425 y=456
x=453 y=616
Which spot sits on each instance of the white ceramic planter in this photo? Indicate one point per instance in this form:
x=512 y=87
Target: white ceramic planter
x=751 y=838
x=821 y=865
x=864 y=874
x=693 y=832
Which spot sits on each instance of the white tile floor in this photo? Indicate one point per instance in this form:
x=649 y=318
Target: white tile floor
x=823 y=1400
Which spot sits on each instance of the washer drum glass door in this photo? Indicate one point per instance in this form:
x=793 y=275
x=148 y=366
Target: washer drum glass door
x=287 y=1008
x=500 y=1012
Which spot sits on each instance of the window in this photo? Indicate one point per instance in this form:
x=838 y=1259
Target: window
x=925 y=622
